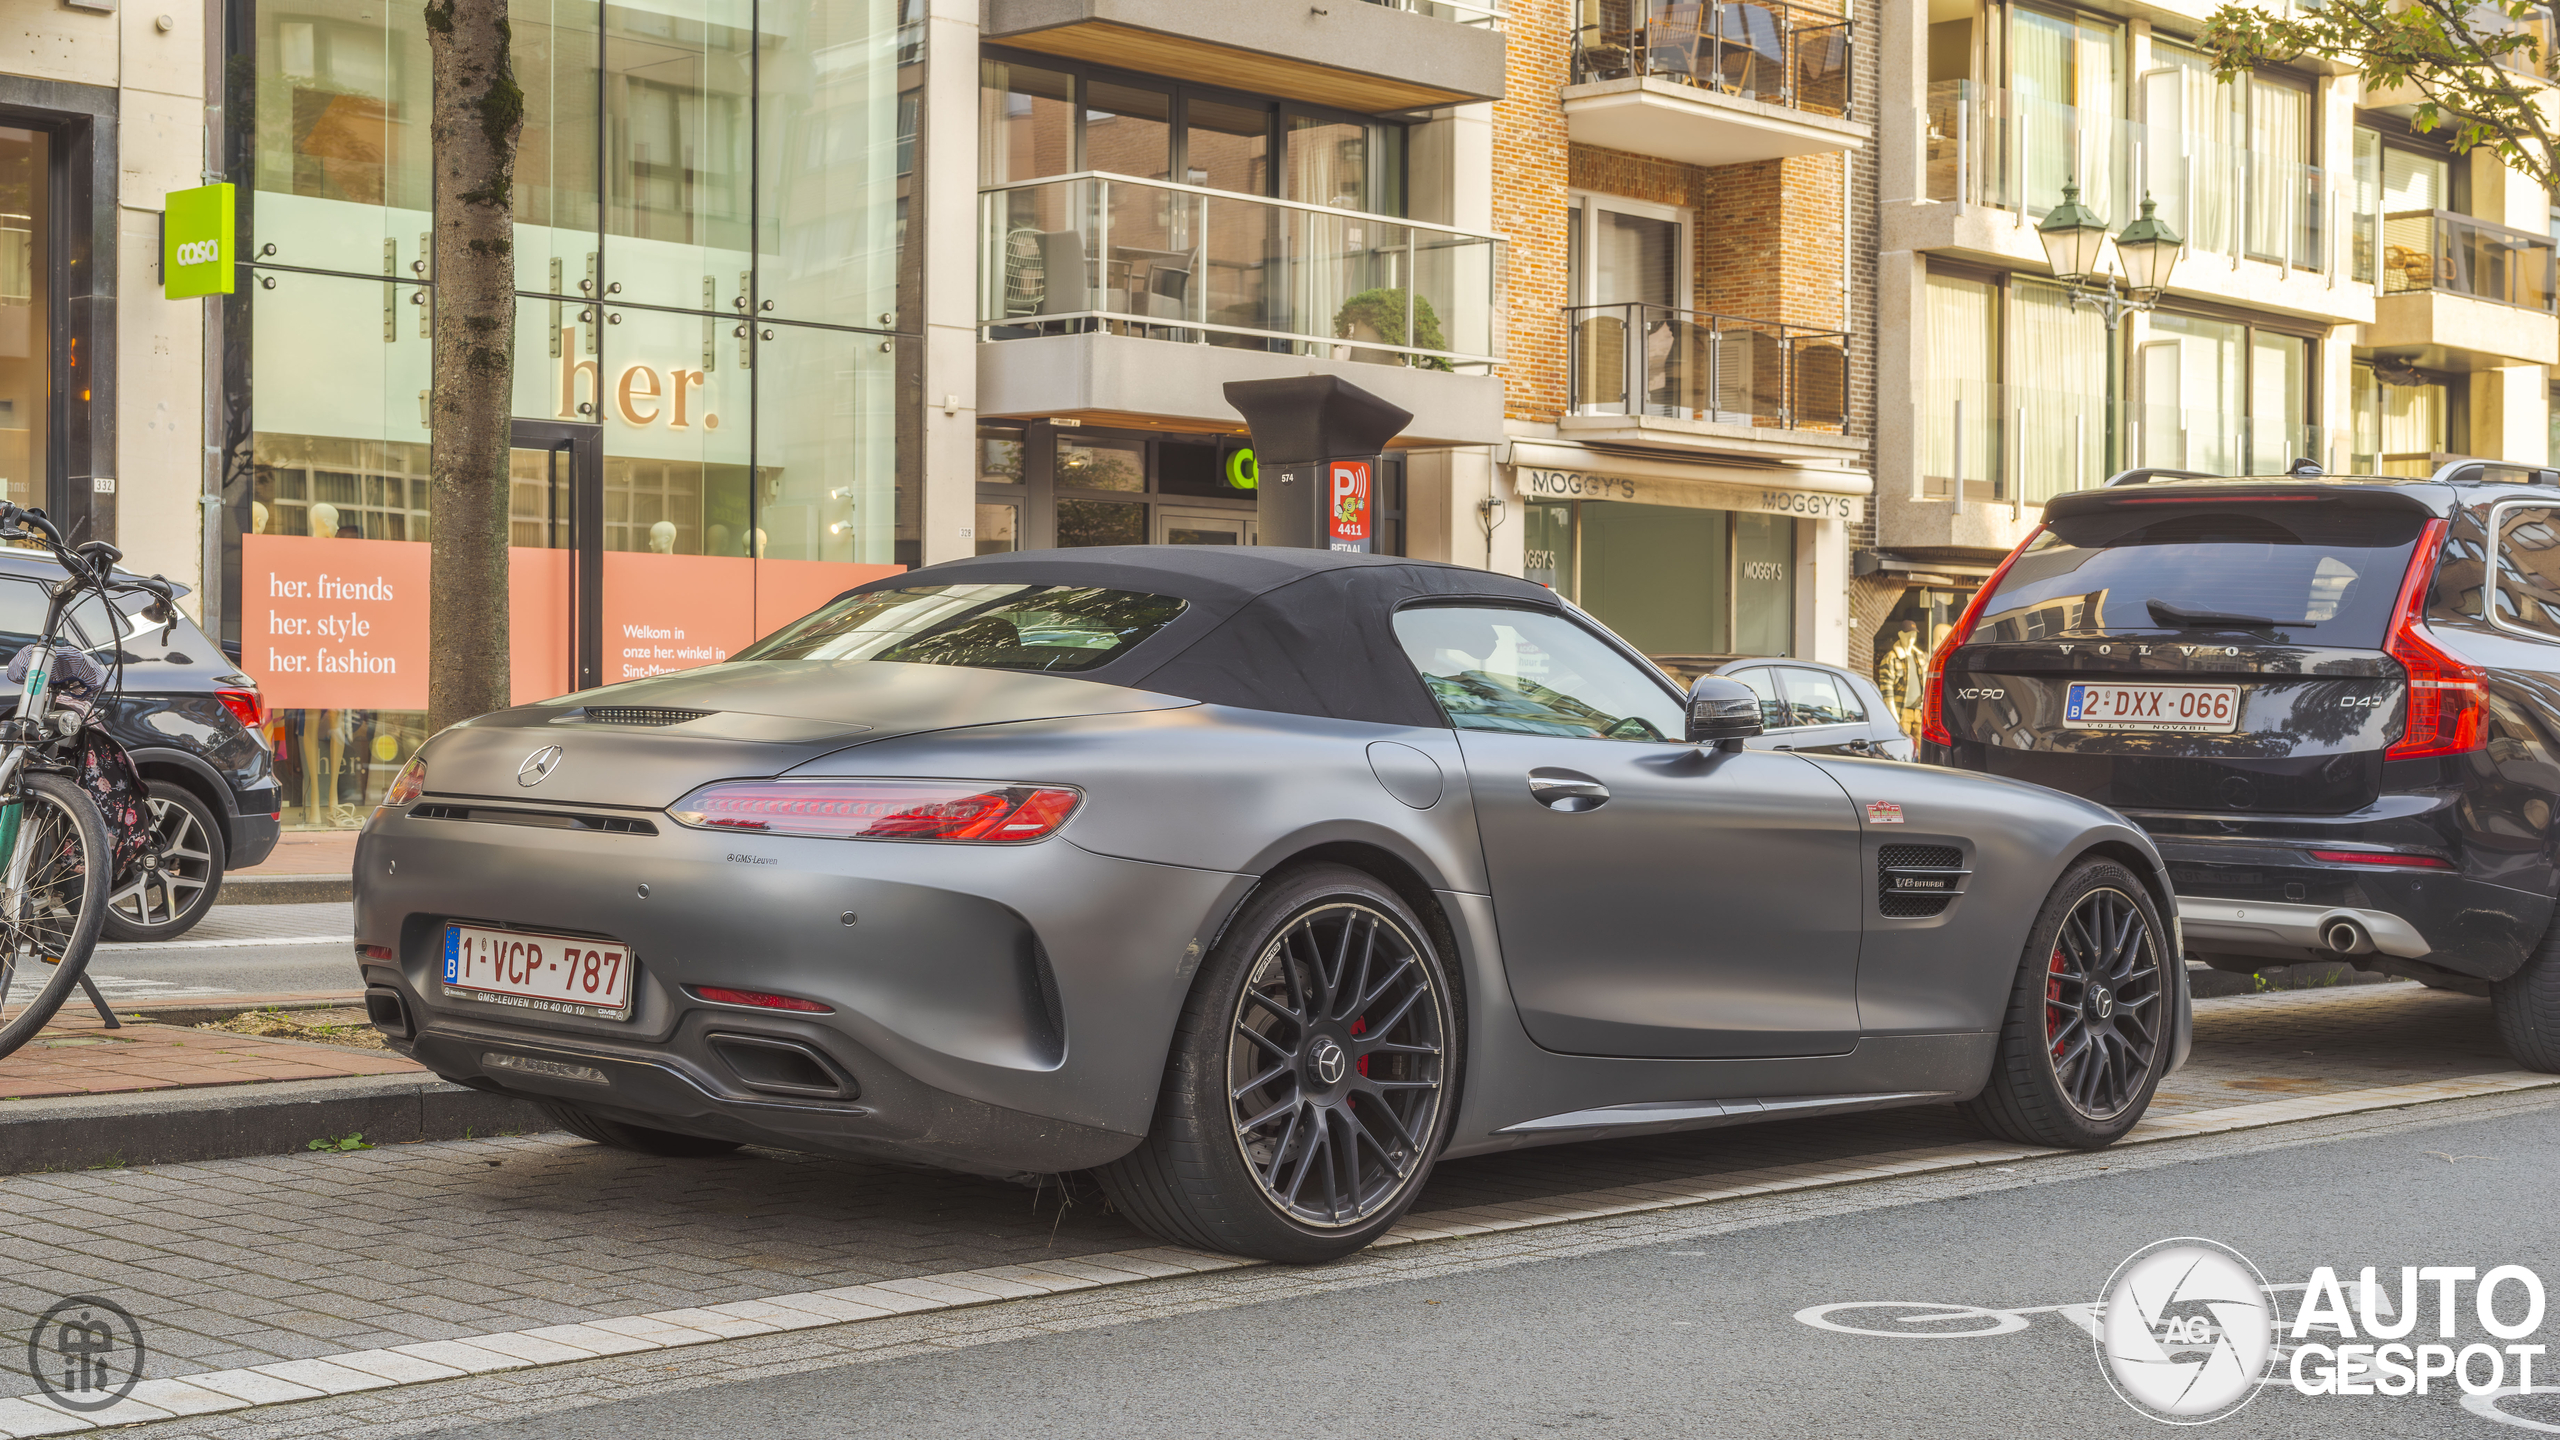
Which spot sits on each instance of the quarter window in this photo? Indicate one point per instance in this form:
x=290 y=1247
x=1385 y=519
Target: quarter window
x=1764 y=683
x=2528 y=595
x=1530 y=673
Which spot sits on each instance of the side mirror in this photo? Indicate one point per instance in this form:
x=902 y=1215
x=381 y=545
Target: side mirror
x=1723 y=712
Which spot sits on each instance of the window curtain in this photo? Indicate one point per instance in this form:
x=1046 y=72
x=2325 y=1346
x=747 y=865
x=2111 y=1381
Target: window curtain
x=2191 y=398
x=1963 y=337
x=2194 y=165
x=2279 y=152
x=2061 y=410
x=2066 y=92
x=2279 y=379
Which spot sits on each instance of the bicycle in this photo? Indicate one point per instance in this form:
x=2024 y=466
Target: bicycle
x=55 y=841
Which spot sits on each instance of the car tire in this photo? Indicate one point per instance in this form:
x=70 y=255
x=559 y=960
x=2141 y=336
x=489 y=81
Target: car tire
x=2526 y=1006
x=1275 y=1134
x=2090 y=1026
x=639 y=1139
x=166 y=903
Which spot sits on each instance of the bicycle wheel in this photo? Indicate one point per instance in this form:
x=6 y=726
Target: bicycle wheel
x=48 y=928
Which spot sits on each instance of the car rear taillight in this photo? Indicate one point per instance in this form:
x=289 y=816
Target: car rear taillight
x=248 y=705
x=409 y=784
x=760 y=1000
x=2448 y=709
x=2373 y=857
x=1933 y=694
x=969 y=810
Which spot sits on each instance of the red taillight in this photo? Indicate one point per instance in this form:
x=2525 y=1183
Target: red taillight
x=760 y=1000
x=409 y=784
x=248 y=705
x=2448 y=709
x=377 y=952
x=881 y=809
x=1933 y=699
x=2369 y=857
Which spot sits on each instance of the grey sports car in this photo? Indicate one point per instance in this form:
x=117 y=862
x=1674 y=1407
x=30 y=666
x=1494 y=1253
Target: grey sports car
x=1252 y=881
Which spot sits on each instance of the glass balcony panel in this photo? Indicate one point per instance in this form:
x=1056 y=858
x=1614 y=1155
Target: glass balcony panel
x=1184 y=263
x=1774 y=53
x=2439 y=250
x=1654 y=360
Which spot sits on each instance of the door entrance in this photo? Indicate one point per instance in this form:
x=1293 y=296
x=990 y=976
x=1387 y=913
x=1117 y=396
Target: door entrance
x=1201 y=527
x=555 y=525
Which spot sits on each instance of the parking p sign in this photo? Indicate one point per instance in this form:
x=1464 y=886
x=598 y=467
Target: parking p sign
x=195 y=255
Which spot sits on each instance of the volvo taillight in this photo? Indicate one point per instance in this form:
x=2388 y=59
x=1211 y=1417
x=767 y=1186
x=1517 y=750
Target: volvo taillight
x=963 y=810
x=1933 y=694
x=2448 y=707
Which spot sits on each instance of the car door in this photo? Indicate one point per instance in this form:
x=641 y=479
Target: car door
x=1828 y=716
x=1651 y=898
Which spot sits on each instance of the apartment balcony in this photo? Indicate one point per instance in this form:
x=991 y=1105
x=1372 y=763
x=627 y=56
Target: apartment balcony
x=1989 y=455
x=1711 y=83
x=2260 y=230
x=1373 y=56
x=2463 y=294
x=1134 y=302
x=1684 y=379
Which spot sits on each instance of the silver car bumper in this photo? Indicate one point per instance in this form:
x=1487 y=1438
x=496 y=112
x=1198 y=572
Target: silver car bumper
x=2266 y=923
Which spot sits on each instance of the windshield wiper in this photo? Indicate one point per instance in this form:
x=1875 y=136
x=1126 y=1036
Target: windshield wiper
x=2178 y=617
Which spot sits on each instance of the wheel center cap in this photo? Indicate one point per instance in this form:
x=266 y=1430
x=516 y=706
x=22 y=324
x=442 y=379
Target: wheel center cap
x=1329 y=1061
x=2102 y=1002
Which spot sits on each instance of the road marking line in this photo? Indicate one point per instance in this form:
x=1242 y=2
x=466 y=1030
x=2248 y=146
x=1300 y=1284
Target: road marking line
x=434 y=1360
x=119 y=946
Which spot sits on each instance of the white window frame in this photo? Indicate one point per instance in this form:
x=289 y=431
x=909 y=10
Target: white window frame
x=1586 y=206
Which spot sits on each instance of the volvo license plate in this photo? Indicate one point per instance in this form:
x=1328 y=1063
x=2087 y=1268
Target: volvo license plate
x=529 y=970
x=2191 y=709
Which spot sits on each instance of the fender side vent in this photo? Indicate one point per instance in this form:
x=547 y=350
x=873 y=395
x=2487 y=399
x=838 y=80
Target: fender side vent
x=643 y=714
x=1914 y=882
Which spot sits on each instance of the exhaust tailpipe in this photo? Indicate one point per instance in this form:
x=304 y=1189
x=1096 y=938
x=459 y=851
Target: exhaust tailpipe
x=2346 y=937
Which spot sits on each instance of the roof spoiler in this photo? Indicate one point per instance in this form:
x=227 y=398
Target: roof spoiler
x=2145 y=477
x=2493 y=472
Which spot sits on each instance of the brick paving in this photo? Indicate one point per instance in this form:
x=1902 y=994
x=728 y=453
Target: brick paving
x=252 y=1262
x=78 y=1055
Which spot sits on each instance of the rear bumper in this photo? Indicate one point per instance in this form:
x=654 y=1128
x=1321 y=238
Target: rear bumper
x=253 y=838
x=997 y=1009
x=2272 y=901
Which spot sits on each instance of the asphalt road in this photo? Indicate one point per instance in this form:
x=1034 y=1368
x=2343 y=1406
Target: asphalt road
x=1703 y=1338
x=237 y=950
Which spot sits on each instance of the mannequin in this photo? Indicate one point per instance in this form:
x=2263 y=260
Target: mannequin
x=662 y=538
x=1900 y=675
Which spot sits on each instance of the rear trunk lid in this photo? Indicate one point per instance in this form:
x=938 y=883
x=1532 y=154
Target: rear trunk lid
x=646 y=743
x=2196 y=652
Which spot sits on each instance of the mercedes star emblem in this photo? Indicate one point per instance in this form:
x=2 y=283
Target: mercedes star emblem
x=538 y=766
x=1330 y=1062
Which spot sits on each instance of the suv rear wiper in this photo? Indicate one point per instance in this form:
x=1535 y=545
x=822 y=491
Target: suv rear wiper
x=2179 y=617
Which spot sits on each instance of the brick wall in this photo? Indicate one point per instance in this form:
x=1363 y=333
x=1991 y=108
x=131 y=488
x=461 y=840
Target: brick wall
x=1530 y=181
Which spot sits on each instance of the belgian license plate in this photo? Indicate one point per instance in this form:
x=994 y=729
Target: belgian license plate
x=563 y=974
x=2192 y=709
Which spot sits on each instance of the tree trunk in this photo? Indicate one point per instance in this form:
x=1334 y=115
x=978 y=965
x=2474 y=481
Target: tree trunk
x=478 y=113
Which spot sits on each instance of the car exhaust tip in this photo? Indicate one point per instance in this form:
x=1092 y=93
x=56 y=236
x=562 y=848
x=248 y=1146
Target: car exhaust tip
x=776 y=1066
x=383 y=1006
x=2346 y=937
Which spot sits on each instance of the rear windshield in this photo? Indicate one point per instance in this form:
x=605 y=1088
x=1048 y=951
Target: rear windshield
x=2308 y=572
x=1055 y=628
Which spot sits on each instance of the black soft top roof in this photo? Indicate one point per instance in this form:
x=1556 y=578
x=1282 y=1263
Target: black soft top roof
x=1304 y=632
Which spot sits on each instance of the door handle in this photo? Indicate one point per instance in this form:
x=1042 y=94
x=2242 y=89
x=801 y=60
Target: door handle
x=1567 y=791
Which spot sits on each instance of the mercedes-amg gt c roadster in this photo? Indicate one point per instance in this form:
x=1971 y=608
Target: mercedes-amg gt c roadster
x=1252 y=881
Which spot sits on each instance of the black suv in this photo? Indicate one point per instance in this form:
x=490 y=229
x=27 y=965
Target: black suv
x=191 y=721
x=2334 y=702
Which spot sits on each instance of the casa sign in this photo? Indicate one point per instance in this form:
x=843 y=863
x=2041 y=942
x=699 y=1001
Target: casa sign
x=196 y=235
x=1537 y=484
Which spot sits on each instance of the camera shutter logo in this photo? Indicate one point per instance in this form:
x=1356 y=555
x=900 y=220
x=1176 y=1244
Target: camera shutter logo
x=86 y=1353
x=2187 y=1331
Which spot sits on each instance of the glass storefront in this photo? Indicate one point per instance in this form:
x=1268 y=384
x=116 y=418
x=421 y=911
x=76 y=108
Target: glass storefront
x=1043 y=485
x=1683 y=585
x=711 y=216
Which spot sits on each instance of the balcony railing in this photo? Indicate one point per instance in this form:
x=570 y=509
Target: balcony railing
x=1488 y=13
x=2025 y=444
x=1091 y=251
x=1683 y=364
x=1778 y=53
x=2012 y=152
x=2439 y=250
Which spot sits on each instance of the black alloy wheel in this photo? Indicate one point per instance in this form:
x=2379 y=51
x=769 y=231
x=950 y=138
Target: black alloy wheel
x=177 y=883
x=2103 y=1017
x=2091 y=1019
x=1335 y=1066
x=1312 y=1078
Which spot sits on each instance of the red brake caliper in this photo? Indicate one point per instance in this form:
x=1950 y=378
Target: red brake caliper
x=2053 y=1001
x=1358 y=1026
